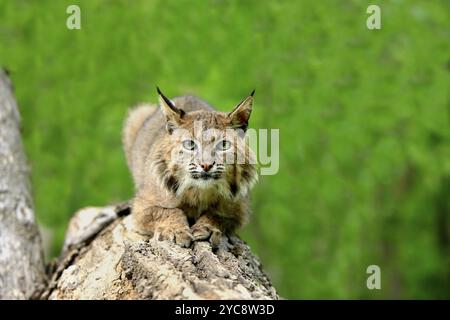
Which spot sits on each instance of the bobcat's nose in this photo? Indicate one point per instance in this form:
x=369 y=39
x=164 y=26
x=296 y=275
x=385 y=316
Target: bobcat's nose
x=207 y=166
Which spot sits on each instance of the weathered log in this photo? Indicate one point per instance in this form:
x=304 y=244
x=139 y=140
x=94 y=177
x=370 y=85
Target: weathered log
x=103 y=258
x=21 y=254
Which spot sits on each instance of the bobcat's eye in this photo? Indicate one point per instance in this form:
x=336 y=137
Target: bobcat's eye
x=189 y=144
x=223 y=145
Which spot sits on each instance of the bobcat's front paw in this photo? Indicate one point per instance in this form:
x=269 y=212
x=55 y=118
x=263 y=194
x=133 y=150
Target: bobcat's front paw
x=203 y=230
x=179 y=234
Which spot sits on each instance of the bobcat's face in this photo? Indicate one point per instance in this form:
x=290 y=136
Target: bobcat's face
x=207 y=152
x=205 y=156
x=209 y=157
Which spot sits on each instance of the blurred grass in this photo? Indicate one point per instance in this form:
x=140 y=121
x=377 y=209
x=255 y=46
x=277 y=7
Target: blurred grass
x=363 y=118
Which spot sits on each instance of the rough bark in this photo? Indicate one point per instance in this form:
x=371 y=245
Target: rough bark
x=104 y=259
x=21 y=254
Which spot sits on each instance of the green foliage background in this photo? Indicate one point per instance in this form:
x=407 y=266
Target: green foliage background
x=363 y=118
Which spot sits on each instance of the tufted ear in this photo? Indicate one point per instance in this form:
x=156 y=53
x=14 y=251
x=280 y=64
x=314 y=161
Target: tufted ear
x=172 y=113
x=241 y=113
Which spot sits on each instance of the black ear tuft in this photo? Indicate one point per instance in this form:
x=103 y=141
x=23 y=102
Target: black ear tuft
x=238 y=118
x=168 y=105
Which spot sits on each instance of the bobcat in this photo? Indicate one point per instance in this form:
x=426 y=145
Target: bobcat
x=187 y=189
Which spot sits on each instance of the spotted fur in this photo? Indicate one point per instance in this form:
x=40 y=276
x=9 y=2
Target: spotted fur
x=168 y=175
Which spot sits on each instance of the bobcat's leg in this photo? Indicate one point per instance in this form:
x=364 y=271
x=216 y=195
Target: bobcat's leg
x=211 y=227
x=165 y=224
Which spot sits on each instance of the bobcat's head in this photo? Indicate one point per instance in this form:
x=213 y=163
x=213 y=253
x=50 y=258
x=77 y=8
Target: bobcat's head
x=206 y=153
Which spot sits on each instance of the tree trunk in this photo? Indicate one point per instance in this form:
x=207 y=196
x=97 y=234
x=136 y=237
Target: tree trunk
x=104 y=259
x=21 y=255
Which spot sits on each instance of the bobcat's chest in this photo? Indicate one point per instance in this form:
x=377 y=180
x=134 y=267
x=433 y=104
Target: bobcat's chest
x=195 y=203
x=192 y=213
